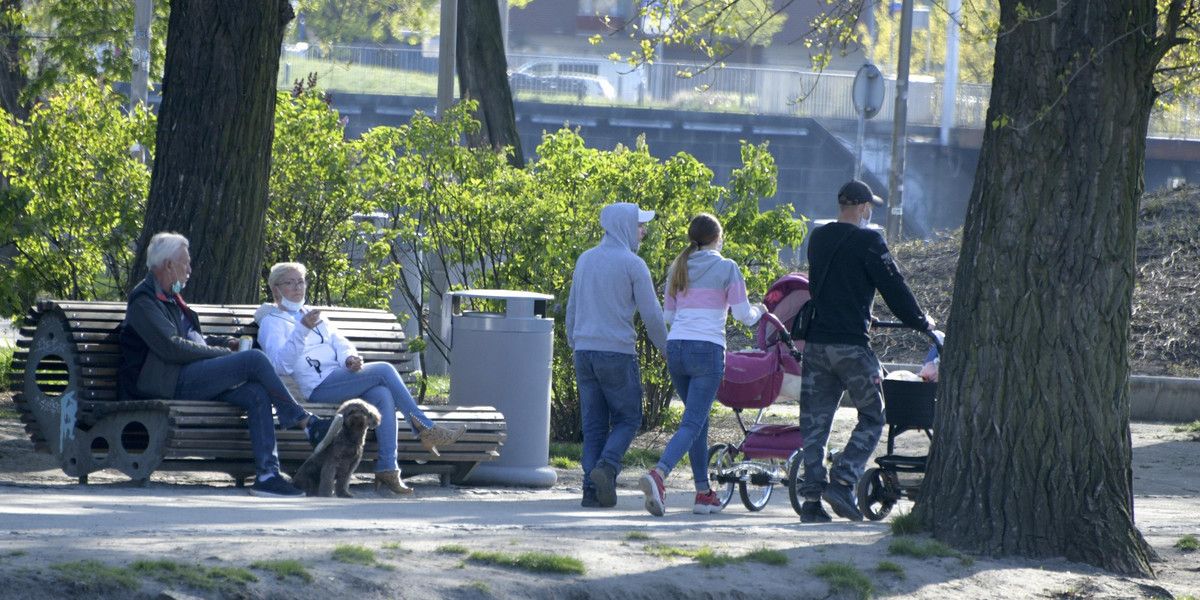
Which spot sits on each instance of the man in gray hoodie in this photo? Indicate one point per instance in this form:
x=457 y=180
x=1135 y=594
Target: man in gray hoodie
x=610 y=283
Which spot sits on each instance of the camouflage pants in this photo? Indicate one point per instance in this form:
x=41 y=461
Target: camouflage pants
x=828 y=370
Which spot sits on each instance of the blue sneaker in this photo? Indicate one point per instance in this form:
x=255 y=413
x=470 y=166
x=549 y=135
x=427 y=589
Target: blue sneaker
x=322 y=430
x=275 y=487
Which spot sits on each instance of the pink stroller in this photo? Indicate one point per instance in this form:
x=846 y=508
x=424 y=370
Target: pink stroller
x=755 y=379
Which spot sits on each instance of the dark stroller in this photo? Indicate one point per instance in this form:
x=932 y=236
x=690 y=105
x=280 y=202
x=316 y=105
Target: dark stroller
x=909 y=406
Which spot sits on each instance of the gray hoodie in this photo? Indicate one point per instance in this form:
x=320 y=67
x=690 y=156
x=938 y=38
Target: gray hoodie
x=610 y=283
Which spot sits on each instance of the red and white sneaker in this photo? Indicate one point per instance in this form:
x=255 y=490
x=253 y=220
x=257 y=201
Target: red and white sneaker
x=652 y=487
x=707 y=503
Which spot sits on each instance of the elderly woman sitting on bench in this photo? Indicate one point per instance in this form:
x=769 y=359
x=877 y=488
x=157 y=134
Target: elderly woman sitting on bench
x=328 y=369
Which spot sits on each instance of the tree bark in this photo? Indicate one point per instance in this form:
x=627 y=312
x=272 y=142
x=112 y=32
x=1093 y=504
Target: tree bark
x=1032 y=446
x=13 y=77
x=215 y=128
x=483 y=76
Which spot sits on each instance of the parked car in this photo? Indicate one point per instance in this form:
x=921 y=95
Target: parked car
x=627 y=83
x=579 y=86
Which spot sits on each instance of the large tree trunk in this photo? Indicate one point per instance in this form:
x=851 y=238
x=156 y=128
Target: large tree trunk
x=13 y=77
x=483 y=76
x=1032 y=449
x=215 y=128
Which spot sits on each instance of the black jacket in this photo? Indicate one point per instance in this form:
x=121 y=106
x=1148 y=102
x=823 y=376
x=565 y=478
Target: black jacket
x=154 y=343
x=861 y=265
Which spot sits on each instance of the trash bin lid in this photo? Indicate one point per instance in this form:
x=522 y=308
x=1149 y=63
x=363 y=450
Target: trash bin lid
x=523 y=311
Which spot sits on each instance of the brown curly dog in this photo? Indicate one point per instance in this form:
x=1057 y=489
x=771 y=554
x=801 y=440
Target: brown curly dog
x=330 y=469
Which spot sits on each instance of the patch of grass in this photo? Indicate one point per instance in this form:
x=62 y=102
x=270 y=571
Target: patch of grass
x=284 y=569
x=359 y=556
x=637 y=534
x=1188 y=543
x=14 y=553
x=392 y=546
x=642 y=458
x=767 y=556
x=562 y=462
x=1192 y=428
x=478 y=586
x=908 y=523
x=535 y=562
x=226 y=580
x=451 y=549
x=844 y=578
x=888 y=566
x=95 y=576
x=361 y=79
x=708 y=558
x=906 y=546
x=666 y=551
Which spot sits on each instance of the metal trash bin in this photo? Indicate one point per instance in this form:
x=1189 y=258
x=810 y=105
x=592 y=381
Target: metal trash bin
x=505 y=359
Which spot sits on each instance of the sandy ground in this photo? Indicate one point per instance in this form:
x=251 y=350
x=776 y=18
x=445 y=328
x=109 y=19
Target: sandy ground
x=47 y=519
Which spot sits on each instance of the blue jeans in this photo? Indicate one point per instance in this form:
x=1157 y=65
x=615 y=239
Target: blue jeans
x=610 y=400
x=379 y=385
x=257 y=389
x=696 y=370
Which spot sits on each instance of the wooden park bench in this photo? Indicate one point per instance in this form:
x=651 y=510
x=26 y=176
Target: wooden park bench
x=64 y=383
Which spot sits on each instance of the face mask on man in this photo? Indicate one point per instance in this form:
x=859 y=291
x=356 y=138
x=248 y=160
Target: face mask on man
x=178 y=285
x=865 y=220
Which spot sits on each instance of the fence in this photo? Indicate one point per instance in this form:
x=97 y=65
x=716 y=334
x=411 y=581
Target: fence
x=675 y=85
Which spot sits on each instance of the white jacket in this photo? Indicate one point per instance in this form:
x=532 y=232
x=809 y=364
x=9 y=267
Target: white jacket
x=308 y=355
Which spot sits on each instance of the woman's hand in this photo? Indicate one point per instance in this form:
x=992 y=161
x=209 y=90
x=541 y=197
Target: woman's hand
x=310 y=319
x=354 y=363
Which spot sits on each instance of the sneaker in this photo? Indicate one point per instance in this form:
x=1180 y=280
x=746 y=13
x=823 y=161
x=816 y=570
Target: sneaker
x=589 y=499
x=275 y=487
x=605 y=478
x=322 y=430
x=812 y=512
x=652 y=487
x=707 y=503
x=841 y=500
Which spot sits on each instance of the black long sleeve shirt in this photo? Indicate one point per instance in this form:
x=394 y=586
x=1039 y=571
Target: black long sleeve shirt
x=859 y=266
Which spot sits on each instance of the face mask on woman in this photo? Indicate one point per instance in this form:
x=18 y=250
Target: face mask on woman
x=292 y=306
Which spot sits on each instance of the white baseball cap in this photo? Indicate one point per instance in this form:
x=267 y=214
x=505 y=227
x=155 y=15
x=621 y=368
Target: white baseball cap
x=644 y=216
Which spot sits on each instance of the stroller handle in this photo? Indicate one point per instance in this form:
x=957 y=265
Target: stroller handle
x=898 y=325
x=785 y=336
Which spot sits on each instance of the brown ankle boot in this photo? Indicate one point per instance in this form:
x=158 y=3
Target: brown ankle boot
x=391 y=480
x=438 y=435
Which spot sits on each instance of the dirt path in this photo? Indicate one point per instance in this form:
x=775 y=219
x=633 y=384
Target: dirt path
x=47 y=519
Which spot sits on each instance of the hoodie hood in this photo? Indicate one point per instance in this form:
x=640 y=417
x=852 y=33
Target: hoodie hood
x=620 y=223
x=264 y=310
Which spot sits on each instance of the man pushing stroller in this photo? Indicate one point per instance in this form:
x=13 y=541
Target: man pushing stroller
x=848 y=262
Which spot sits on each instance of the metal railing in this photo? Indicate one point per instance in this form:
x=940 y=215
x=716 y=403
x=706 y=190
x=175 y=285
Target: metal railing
x=744 y=89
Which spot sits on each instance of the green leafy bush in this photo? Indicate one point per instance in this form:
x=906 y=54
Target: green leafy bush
x=76 y=197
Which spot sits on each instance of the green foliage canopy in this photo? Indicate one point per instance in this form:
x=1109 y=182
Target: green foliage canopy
x=76 y=197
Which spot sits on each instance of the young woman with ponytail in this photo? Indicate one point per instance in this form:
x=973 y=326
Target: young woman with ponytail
x=703 y=287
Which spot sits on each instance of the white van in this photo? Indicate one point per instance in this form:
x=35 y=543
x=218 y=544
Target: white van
x=627 y=82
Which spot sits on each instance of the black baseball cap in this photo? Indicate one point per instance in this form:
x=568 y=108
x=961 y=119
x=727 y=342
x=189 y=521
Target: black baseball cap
x=857 y=192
